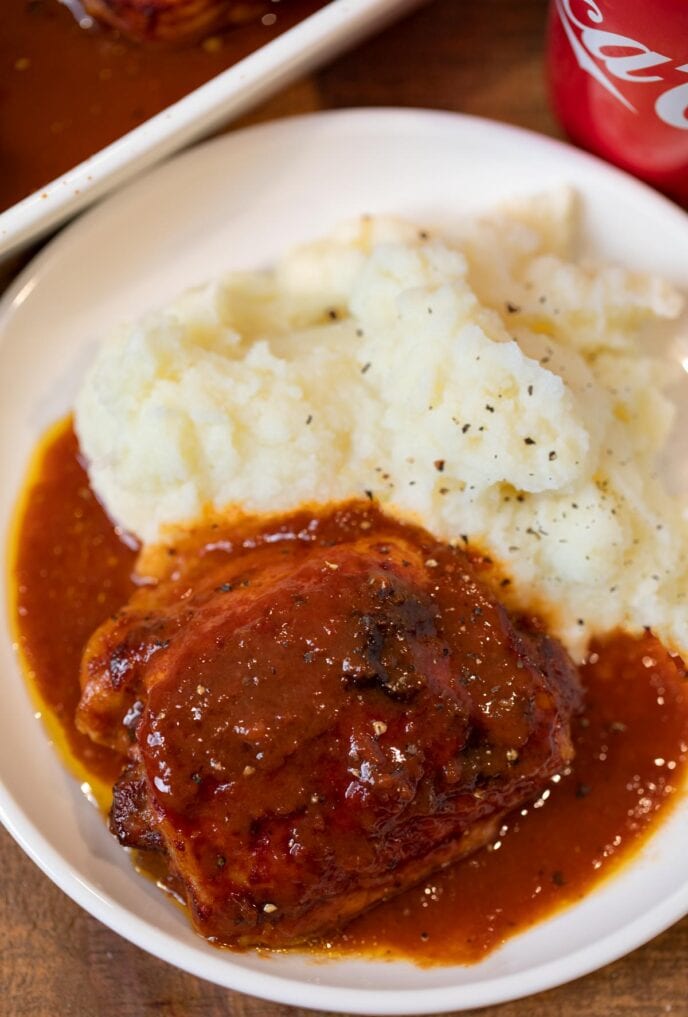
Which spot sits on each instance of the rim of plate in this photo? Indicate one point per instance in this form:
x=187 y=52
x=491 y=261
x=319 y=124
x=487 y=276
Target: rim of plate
x=218 y=967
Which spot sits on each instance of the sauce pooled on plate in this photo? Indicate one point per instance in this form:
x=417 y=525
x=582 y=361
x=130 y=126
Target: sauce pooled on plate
x=72 y=572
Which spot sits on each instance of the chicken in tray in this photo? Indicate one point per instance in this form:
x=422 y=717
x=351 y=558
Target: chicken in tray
x=317 y=714
x=174 y=21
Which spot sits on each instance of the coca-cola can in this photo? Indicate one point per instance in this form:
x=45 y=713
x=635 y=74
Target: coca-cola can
x=618 y=72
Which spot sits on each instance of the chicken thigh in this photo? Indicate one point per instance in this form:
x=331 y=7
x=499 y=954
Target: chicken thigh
x=318 y=714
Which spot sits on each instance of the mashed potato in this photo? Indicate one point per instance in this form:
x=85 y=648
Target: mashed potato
x=486 y=385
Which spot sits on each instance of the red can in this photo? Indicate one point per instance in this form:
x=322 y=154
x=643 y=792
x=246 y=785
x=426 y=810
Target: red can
x=618 y=73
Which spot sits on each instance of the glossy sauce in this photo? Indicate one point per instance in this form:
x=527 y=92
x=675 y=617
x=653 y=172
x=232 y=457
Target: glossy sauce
x=72 y=571
x=66 y=92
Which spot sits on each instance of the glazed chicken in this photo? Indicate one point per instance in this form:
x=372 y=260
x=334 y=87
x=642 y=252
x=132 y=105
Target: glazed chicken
x=174 y=21
x=317 y=715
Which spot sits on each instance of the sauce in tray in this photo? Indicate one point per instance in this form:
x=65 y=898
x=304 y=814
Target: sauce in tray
x=72 y=571
x=67 y=92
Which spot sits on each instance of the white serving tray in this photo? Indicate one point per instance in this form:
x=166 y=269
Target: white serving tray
x=339 y=24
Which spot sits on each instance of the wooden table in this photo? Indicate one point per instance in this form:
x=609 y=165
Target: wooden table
x=477 y=56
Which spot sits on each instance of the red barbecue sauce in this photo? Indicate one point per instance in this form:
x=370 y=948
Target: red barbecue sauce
x=72 y=570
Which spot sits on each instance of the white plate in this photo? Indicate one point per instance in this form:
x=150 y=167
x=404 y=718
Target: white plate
x=238 y=201
x=340 y=24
